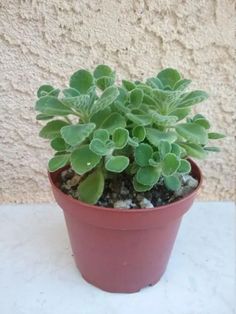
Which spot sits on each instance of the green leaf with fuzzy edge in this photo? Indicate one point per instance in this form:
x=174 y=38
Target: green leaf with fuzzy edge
x=170 y=164
x=76 y=134
x=84 y=160
x=82 y=80
x=148 y=175
x=172 y=182
x=52 y=129
x=91 y=188
x=142 y=154
x=58 y=162
x=117 y=163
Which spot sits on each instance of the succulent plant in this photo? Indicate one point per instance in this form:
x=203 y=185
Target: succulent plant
x=143 y=129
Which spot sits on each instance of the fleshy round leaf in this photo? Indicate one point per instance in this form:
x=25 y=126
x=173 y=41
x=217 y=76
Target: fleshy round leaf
x=192 y=132
x=142 y=154
x=103 y=70
x=52 y=129
x=76 y=134
x=70 y=92
x=170 y=164
x=81 y=80
x=128 y=85
x=58 y=162
x=176 y=149
x=84 y=160
x=136 y=97
x=120 y=137
x=99 y=147
x=215 y=136
x=45 y=90
x=172 y=182
x=139 y=119
x=59 y=144
x=114 y=121
x=164 y=148
x=91 y=188
x=102 y=135
x=139 y=132
x=185 y=166
x=169 y=77
x=117 y=163
x=148 y=175
x=194 y=150
x=192 y=98
x=50 y=105
x=104 y=82
x=154 y=136
x=203 y=122
x=182 y=84
x=140 y=187
x=106 y=99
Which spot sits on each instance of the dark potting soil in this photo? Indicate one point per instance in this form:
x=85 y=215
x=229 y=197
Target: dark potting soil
x=119 y=191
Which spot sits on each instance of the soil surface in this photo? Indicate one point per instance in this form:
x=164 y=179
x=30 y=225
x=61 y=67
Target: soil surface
x=119 y=191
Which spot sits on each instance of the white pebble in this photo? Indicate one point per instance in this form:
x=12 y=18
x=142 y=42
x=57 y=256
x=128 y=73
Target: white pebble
x=145 y=203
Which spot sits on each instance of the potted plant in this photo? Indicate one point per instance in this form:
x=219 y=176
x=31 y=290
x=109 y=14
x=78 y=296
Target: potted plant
x=122 y=171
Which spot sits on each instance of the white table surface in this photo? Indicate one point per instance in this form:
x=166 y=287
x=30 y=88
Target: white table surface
x=38 y=274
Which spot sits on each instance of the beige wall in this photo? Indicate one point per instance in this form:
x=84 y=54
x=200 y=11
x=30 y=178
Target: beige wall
x=46 y=41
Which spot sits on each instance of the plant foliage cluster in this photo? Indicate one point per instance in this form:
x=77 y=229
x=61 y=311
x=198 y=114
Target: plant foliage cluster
x=143 y=129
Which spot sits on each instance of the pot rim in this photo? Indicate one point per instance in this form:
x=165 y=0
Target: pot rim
x=128 y=210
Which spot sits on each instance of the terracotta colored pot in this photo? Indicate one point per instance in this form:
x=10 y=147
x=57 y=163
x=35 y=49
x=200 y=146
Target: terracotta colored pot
x=121 y=250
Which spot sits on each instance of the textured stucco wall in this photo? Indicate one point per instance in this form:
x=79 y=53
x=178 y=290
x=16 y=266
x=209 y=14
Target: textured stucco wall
x=46 y=41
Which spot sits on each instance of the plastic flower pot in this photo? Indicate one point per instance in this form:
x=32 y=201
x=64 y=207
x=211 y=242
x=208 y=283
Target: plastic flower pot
x=122 y=250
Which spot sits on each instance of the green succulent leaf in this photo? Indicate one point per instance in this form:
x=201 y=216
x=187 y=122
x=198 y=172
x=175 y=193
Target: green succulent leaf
x=52 y=106
x=70 y=92
x=107 y=98
x=117 y=163
x=176 y=149
x=185 y=166
x=42 y=116
x=140 y=119
x=215 y=136
x=142 y=154
x=154 y=136
x=169 y=77
x=59 y=144
x=172 y=182
x=99 y=147
x=164 y=148
x=104 y=82
x=102 y=135
x=192 y=132
x=128 y=85
x=45 y=90
x=91 y=188
x=139 y=132
x=170 y=164
x=192 y=98
x=212 y=149
x=76 y=134
x=148 y=175
x=82 y=80
x=103 y=70
x=58 y=162
x=154 y=82
x=136 y=97
x=52 y=129
x=84 y=160
x=134 y=142
x=194 y=150
x=182 y=84
x=201 y=120
x=181 y=113
x=120 y=137
x=114 y=121
x=140 y=187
